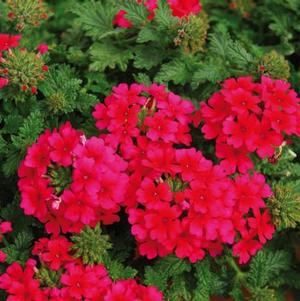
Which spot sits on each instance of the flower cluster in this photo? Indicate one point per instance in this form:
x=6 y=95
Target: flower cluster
x=179 y=8
x=27 y=13
x=19 y=68
x=74 y=280
x=68 y=181
x=247 y=117
x=177 y=200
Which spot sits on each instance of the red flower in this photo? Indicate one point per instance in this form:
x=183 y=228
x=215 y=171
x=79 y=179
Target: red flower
x=250 y=192
x=160 y=127
x=84 y=282
x=262 y=224
x=86 y=176
x=163 y=223
x=182 y=8
x=80 y=206
x=191 y=163
x=3 y=257
x=43 y=48
x=152 y=195
x=233 y=158
x=246 y=247
x=3 y=82
x=20 y=285
x=121 y=21
x=8 y=41
x=242 y=132
x=54 y=251
x=5 y=227
x=62 y=144
x=38 y=157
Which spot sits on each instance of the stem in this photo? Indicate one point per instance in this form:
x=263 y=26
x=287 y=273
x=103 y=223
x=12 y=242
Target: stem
x=239 y=273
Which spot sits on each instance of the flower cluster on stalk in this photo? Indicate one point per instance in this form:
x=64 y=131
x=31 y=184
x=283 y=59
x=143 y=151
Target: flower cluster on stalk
x=176 y=200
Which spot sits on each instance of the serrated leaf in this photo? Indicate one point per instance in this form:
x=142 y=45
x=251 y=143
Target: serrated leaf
x=96 y=18
x=135 y=12
x=266 y=265
x=147 y=34
x=118 y=271
x=108 y=56
x=163 y=16
x=148 y=57
x=176 y=71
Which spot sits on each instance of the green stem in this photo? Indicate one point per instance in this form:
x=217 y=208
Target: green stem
x=239 y=273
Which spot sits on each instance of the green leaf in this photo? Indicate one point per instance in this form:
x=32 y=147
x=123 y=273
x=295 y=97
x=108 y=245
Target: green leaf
x=148 y=57
x=108 y=56
x=165 y=269
x=118 y=271
x=267 y=265
x=176 y=71
x=219 y=42
x=96 y=18
x=60 y=89
x=147 y=34
x=135 y=12
x=213 y=71
x=239 y=55
x=19 y=251
x=163 y=16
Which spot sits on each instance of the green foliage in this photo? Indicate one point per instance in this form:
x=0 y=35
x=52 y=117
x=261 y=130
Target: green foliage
x=265 y=266
x=48 y=278
x=285 y=206
x=95 y=17
x=164 y=270
x=60 y=89
x=32 y=126
x=118 y=270
x=18 y=251
x=136 y=13
x=91 y=245
x=109 y=56
x=208 y=283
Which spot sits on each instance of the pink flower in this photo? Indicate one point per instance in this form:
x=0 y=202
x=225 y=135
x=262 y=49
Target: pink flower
x=183 y=8
x=43 y=48
x=5 y=227
x=153 y=195
x=250 y=191
x=2 y=257
x=241 y=132
x=54 y=251
x=8 y=41
x=262 y=224
x=121 y=21
x=86 y=176
x=80 y=206
x=3 y=82
x=84 y=282
x=246 y=247
x=233 y=158
x=20 y=284
x=160 y=127
x=63 y=144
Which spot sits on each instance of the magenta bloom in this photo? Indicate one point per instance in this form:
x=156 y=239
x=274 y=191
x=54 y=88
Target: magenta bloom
x=43 y=48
